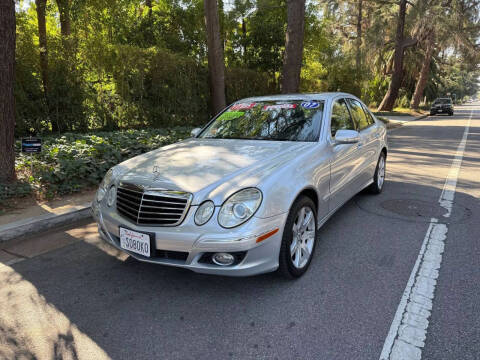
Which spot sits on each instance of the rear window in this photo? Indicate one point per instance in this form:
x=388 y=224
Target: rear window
x=442 y=101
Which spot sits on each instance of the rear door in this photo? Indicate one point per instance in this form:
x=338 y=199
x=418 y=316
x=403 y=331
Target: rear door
x=368 y=145
x=346 y=162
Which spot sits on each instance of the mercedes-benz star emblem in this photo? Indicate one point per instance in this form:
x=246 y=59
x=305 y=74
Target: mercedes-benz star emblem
x=156 y=172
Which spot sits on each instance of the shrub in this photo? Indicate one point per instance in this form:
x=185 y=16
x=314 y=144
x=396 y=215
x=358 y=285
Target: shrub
x=73 y=162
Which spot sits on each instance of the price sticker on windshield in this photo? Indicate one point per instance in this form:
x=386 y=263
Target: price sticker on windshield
x=242 y=106
x=310 y=104
x=279 y=106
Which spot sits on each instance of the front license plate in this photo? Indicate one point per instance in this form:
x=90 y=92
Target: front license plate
x=135 y=241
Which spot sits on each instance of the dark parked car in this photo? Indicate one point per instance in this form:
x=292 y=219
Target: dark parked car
x=442 y=106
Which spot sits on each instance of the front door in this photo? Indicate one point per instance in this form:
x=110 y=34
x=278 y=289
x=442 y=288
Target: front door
x=346 y=161
x=368 y=139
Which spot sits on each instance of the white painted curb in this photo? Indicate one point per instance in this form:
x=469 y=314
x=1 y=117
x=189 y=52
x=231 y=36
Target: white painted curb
x=43 y=222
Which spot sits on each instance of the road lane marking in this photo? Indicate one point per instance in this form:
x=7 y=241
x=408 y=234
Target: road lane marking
x=408 y=331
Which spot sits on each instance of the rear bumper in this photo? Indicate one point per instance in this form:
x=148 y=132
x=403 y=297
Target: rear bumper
x=187 y=243
x=441 y=110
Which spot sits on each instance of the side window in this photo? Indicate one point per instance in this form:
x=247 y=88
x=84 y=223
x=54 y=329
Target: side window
x=370 y=119
x=358 y=114
x=340 y=117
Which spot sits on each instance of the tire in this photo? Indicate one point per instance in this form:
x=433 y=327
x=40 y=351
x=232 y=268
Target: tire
x=379 y=177
x=291 y=265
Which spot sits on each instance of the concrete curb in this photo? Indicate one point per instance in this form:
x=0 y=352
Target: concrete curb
x=393 y=124
x=36 y=224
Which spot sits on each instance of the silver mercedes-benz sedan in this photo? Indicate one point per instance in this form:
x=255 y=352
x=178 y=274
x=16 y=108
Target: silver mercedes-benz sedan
x=249 y=191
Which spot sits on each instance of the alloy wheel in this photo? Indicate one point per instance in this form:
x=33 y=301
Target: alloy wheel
x=381 y=172
x=303 y=237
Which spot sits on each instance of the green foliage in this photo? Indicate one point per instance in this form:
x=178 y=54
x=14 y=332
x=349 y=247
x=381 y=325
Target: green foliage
x=242 y=83
x=74 y=161
x=126 y=67
x=14 y=190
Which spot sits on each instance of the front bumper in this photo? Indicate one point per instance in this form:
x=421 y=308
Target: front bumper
x=184 y=245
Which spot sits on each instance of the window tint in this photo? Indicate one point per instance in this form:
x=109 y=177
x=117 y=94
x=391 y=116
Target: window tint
x=358 y=114
x=340 y=117
x=370 y=119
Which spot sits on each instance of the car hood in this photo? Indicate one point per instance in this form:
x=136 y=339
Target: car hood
x=201 y=165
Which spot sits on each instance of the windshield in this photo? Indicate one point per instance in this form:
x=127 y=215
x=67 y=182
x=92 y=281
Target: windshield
x=442 y=101
x=268 y=120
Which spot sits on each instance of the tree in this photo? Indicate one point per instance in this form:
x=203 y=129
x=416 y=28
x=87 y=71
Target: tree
x=216 y=66
x=64 y=11
x=7 y=78
x=292 y=61
x=42 y=40
x=358 y=41
x=401 y=43
x=424 y=72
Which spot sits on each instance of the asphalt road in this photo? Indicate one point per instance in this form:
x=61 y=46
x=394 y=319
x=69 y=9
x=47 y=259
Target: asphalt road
x=85 y=300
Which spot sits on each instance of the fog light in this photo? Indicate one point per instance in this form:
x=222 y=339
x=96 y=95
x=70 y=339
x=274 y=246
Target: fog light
x=223 y=259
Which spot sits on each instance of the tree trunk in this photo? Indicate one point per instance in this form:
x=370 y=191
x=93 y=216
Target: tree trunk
x=64 y=11
x=244 y=40
x=422 y=79
x=7 y=79
x=42 y=39
x=216 y=66
x=397 y=76
x=292 y=61
x=358 y=58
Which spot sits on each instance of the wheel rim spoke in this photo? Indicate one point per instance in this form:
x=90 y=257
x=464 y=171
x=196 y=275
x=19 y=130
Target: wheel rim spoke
x=308 y=218
x=306 y=253
x=298 y=255
x=309 y=235
x=293 y=246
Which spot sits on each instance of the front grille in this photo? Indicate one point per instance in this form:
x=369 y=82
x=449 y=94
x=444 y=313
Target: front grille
x=152 y=207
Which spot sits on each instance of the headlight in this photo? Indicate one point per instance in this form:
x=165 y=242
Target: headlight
x=239 y=207
x=100 y=194
x=112 y=194
x=204 y=212
x=102 y=189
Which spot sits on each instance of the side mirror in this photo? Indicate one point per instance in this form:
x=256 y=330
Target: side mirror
x=195 y=132
x=347 y=137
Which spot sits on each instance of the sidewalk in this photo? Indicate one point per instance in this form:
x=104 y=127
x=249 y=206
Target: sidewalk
x=32 y=216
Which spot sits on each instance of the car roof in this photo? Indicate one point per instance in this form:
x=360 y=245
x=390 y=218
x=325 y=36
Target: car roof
x=298 y=96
